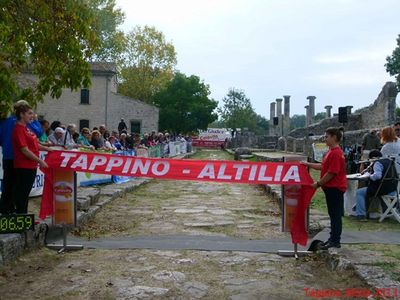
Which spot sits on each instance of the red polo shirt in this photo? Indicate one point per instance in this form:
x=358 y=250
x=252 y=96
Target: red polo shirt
x=334 y=162
x=23 y=137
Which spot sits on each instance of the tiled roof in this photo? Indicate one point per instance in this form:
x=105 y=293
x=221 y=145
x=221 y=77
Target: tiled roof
x=103 y=67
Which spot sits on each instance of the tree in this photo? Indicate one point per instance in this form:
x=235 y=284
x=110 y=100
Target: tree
x=237 y=111
x=319 y=116
x=148 y=64
x=185 y=105
x=112 y=40
x=262 y=125
x=397 y=112
x=297 y=121
x=217 y=124
x=393 y=63
x=53 y=39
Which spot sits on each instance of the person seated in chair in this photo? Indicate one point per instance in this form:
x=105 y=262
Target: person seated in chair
x=382 y=181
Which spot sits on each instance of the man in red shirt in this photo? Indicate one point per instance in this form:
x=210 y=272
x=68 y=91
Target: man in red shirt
x=333 y=182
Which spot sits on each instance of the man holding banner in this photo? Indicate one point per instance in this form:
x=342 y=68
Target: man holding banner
x=333 y=182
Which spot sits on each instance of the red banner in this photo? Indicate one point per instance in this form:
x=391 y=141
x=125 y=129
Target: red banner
x=198 y=170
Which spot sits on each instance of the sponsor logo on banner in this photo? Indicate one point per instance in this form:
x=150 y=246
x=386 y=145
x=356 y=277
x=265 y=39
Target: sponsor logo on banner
x=64 y=197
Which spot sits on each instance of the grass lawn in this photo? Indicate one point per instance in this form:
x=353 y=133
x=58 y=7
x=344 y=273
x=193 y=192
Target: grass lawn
x=318 y=202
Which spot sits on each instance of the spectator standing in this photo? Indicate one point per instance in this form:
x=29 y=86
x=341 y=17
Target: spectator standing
x=333 y=182
x=370 y=142
x=7 y=203
x=122 y=126
x=26 y=157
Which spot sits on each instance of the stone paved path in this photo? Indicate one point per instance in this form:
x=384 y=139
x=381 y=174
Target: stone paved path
x=162 y=208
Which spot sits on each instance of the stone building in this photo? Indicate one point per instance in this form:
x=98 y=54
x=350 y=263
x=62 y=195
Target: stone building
x=99 y=104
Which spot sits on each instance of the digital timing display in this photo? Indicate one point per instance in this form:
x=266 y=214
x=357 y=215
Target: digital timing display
x=16 y=223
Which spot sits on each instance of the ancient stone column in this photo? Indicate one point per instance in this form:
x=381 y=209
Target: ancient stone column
x=328 y=111
x=287 y=106
x=271 y=118
x=272 y=111
x=307 y=115
x=349 y=107
x=279 y=107
x=286 y=118
x=279 y=115
x=311 y=103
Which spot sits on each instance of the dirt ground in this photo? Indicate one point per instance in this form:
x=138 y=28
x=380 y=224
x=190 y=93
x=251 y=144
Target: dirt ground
x=171 y=207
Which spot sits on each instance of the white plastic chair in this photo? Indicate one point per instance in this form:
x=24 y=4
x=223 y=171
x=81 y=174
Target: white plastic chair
x=393 y=205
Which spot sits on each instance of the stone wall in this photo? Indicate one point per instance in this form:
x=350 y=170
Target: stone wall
x=132 y=110
x=354 y=123
x=382 y=112
x=250 y=140
x=304 y=145
x=68 y=109
x=378 y=115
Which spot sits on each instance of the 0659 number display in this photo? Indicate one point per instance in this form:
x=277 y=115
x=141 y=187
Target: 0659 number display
x=16 y=223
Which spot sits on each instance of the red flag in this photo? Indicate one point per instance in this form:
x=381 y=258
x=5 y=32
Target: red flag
x=298 y=229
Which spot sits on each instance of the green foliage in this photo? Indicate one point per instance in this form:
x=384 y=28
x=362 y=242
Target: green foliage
x=319 y=116
x=262 y=125
x=237 y=111
x=393 y=63
x=297 y=121
x=148 y=64
x=185 y=105
x=112 y=40
x=53 y=39
x=217 y=124
x=397 y=111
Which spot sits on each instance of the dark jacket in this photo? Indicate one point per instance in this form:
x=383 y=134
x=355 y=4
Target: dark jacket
x=389 y=179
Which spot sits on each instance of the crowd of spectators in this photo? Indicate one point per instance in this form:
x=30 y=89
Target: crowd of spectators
x=22 y=135
x=101 y=138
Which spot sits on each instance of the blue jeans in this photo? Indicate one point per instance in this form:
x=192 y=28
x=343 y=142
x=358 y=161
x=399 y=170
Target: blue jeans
x=361 y=199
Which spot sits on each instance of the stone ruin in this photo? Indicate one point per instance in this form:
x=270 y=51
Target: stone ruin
x=379 y=114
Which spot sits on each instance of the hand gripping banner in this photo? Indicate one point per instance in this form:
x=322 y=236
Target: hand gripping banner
x=288 y=173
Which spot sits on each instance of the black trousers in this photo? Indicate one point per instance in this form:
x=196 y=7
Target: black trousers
x=7 y=205
x=335 y=203
x=23 y=185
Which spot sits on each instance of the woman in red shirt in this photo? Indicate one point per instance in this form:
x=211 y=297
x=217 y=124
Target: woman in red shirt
x=26 y=155
x=333 y=182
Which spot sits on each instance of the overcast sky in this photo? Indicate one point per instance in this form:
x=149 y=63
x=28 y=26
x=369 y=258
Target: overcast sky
x=334 y=50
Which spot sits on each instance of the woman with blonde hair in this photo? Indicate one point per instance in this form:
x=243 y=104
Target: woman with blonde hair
x=390 y=146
